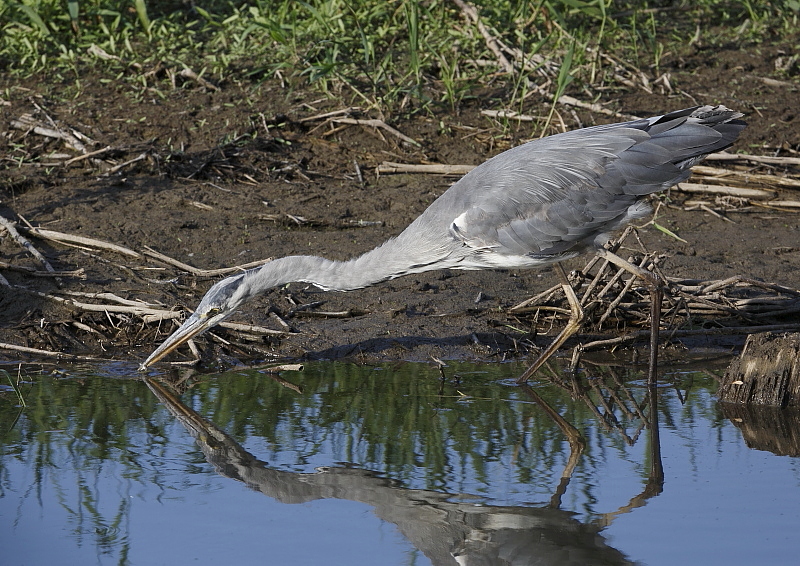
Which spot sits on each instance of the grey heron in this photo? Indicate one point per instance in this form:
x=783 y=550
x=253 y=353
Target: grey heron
x=536 y=204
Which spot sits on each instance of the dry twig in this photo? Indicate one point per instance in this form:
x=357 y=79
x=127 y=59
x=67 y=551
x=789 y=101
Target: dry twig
x=81 y=241
x=745 y=177
x=343 y=112
x=78 y=273
x=375 y=123
x=725 y=303
x=116 y=168
x=45 y=353
x=726 y=190
x=150 y=252
x=28 y=123
x=389 y=167
x=147 y=313
x=22 y=241
x=765 y=159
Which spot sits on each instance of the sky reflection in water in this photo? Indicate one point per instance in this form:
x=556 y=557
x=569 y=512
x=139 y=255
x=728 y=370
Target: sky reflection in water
x=384 y=465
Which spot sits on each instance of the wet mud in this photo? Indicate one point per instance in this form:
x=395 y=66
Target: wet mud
x=241 y=174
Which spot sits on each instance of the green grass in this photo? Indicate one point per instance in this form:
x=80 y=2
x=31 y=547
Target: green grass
x=15 y=387
x=396 y=56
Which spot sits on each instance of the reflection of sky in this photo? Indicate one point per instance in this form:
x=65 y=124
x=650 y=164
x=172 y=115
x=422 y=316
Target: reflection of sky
x=157 y=500
x=206 y=519
x=723 y=503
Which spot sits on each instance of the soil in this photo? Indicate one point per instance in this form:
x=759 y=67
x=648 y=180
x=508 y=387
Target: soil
x=235 y=175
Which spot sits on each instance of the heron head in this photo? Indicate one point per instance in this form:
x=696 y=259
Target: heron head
x=218 y=304
x=223 y=298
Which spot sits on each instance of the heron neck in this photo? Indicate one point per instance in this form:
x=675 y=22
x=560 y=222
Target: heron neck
x=388 y=261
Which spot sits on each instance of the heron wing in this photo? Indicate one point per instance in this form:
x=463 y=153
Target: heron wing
x=558 y=194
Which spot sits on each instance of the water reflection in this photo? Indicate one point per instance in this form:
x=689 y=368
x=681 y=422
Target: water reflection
x=773 y=429
x=444 y=527
x=469 y=469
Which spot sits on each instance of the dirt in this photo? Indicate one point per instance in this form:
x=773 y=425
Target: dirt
x=236 y=175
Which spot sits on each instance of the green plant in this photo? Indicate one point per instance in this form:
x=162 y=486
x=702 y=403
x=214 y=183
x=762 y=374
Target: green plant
x=386 y=55
x=14 y=387
x=564 y=79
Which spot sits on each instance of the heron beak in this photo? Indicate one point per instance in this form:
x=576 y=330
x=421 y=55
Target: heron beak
x=193 y=326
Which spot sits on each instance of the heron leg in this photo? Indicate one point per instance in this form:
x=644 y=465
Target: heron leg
x=573 y=325
x=653 y=283
x=650 y=279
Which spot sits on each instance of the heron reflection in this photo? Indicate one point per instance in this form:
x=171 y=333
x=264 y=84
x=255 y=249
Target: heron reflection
x=450 y=529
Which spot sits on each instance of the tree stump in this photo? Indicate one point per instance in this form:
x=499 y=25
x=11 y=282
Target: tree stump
x=766 y=373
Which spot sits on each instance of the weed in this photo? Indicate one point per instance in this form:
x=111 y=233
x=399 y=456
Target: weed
x=388 y=55
x=564 y=79
x=14 y=387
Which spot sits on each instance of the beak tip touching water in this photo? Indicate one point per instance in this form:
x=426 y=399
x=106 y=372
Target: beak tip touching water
x=159 y=353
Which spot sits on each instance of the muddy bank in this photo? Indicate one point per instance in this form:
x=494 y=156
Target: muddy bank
x=215 y=179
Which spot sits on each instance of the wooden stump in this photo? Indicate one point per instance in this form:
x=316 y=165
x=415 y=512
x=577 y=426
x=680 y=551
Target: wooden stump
x=766 y=373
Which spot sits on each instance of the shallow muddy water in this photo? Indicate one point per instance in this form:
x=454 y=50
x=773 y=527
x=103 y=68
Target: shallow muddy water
x=341 y=464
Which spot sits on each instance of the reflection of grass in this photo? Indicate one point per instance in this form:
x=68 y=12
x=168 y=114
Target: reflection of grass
x=74 y=435
x=97 y=444
x=400 y=55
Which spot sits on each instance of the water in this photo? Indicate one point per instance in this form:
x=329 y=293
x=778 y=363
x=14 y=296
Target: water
x=388 y=465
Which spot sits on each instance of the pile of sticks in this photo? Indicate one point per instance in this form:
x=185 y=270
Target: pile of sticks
x=613 y=300
x=117 y=311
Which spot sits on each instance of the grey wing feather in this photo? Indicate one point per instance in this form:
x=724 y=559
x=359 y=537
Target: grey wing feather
x=555 y=195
